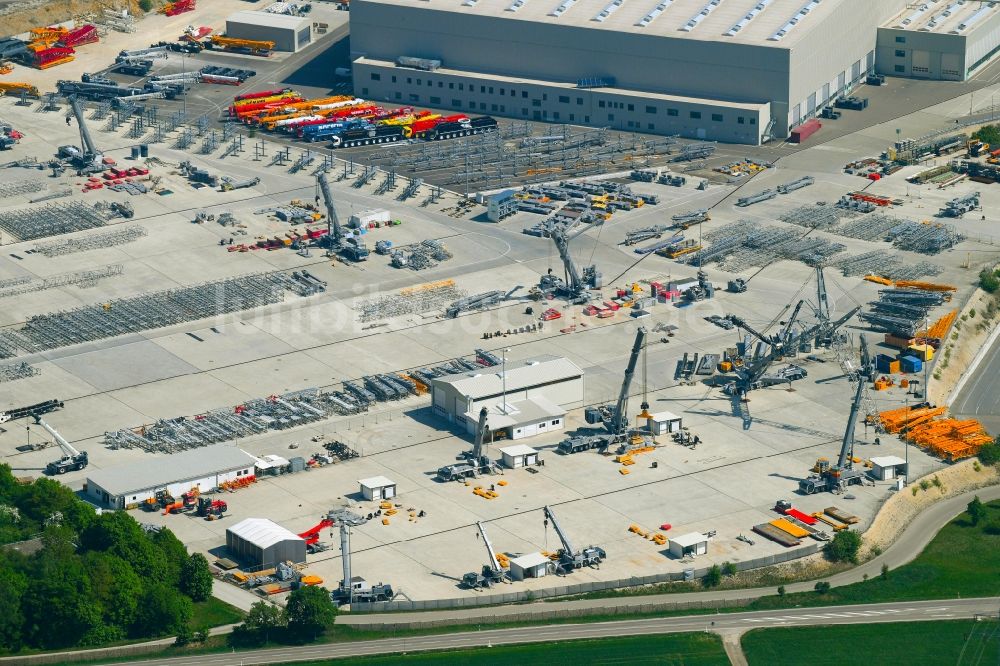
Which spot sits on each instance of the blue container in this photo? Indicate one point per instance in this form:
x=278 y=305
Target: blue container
x=882 y=362
x=910 y=364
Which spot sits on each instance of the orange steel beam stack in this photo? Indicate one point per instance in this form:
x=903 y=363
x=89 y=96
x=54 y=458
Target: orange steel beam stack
x=939 y=329
x=950 y=438
x=924 y=286
x=878 y=279
x=895 y=420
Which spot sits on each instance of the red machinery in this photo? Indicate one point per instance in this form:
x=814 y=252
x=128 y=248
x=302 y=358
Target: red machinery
x=260 y=94
x=251 y=108
x=311 y=535
x=209 y=507
x=421 y=127
x=50 y=57
x=85 y=34
x=179 y=7
x=333 y=116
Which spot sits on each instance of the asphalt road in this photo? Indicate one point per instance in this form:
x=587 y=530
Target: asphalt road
x=920 y=611
x=979 y=397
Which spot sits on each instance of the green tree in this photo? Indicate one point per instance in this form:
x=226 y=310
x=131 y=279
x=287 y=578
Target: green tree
x=844 y=547
x=976 y=510
x=59 y=606
x=781 y=590
x=310 y=610
x=196 y=579
x=175 y=555
x=728 y=569
x=988 y=280
x=12 y=587
x=885 y=570
x=713 y=577
x=116 y=587
x=146 y=5
x=162 y=610
x=822 y=587
x=989 y=454
x=262 y=618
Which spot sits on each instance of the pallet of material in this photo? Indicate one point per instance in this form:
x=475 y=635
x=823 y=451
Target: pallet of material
x=786 y=525
x=774 y=534
x=842 y=516
x=835 y=524
x=273 y=588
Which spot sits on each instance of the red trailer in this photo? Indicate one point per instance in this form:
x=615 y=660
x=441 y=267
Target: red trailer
x=260 y=94
x=85 y=34
x=51 y=57
x=421 y=127
x=805 y=130
x=801 y=517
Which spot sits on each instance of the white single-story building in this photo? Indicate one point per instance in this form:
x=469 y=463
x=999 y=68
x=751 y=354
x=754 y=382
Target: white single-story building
x=458 y=397
x=531 y=565
x=378 y=488
x=693 y=543
x=127 y=486
x=519 y=455
x=885 y=468
x=662 y=423
x=260 y=544
x=521 y=418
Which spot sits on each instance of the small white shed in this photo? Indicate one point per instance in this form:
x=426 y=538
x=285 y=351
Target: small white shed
x=663 y=423
x=378 y=488
x=885 y=468
x=693 y=543
x=531 y=565
x=519 y=455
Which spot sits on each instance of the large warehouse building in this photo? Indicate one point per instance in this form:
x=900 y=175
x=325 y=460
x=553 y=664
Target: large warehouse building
x=939 y=39
x=259 y=543
x=733 y=70
x=206 y=468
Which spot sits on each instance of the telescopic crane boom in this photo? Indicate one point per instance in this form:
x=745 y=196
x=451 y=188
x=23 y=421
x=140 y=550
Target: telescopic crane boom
x=352 y=248
x=570 y=559
x=837 y=478
x=492 y=573
x=618 y=424
x=71 y=460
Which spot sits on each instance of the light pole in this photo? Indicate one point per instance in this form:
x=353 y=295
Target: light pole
x=503 y=377
x=906 y=446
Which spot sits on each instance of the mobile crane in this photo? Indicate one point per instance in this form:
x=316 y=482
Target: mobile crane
x=352 y=248
x=311 y=536
x=492 y=573
x=473 y=462
x=836 y=478
x=615 y=419
x=572 y=285
x=86 y=159
x=570 y=559
x=355 y=588
x=72 y=459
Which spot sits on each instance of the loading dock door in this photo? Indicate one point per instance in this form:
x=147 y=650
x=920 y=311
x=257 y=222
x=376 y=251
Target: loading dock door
x=388 y=492
x=920 y=64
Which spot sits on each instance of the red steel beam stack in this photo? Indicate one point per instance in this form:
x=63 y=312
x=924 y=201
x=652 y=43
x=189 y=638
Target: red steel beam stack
x=53 y=56
x=179 y=7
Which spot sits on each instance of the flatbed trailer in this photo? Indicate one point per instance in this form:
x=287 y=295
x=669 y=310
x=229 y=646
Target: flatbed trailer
x=803 y=517
x=835 y=524
x=786 y=525
x=842 y=516
x=771 y=532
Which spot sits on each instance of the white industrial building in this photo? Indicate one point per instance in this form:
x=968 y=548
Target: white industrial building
x=688 y=545
x=289 y=33
x=664 y=423
x=259 y=543
x=518 y=455
x=939 y=39
x=206 y=468
x=886 y=468
x=738 y=71
x=531 y=565
x=377 y=488
x=539 y=391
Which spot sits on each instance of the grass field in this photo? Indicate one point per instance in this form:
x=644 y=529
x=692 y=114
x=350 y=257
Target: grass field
x=962 y=643
x=957 y=562
x=668 y=650
x=213 y=613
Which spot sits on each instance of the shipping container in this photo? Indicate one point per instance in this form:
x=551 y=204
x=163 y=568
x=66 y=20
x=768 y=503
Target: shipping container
x=910 y=364
x=898 y=342
x=805 y=130
x=923 y=352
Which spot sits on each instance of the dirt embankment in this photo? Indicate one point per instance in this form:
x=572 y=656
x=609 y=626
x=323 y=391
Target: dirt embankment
x=21 y=16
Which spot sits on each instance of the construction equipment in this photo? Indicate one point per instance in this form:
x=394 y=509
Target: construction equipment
x=311 y=535
x=86 y=159
x=836 y=478
x=567 y=558
x=351 y=248
x=30 y=411
x=615 y=419
x=737 y=286
x=18 y=88
x=72 y=459
x=355 y=588
x=473 y=462
x=826 y=329
x=573 y=286
x=207 y=507
x=228 y=183
x=492 y=573
x=245 y=46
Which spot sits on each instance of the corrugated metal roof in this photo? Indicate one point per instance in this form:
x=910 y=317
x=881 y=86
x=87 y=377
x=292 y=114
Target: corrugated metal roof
x=262 y=532
x=517 y=450
x=520 y=375
x=159 y=471
x=267 y=19
x=377 y=482
x=689 y=539
x=887 y=461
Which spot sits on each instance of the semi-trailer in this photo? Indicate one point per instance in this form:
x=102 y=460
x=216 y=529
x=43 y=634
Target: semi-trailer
x=367 y=136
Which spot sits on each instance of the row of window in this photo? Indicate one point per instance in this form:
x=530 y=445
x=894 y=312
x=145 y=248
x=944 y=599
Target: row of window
x=563 y=99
